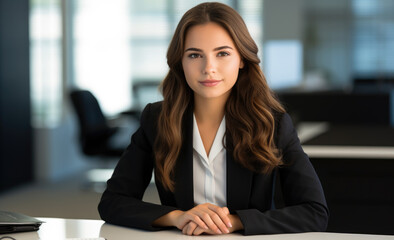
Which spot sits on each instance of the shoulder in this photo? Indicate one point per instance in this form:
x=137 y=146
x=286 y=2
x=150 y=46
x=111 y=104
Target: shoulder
x=283 y=121
x=285 y=132
x=151 y=112
x=152 y=108
x=149 y=118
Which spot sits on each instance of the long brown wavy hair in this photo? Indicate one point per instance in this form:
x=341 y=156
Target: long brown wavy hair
x=250 y=108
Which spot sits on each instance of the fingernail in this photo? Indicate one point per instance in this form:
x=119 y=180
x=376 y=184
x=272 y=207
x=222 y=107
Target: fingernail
x=230 y=225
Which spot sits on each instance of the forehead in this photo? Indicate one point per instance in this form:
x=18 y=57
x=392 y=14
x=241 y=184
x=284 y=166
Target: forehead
x=207 y=35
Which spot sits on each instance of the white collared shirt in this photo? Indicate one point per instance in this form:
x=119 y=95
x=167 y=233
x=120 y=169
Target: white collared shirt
x=209 y=172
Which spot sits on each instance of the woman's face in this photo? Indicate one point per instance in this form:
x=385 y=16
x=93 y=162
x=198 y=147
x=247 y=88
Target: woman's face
x=210 y=61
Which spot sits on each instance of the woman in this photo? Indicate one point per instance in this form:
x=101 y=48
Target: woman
x=217 y=143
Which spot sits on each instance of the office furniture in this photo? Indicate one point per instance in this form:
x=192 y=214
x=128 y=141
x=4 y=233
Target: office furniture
x=353 y=154
x=355 y=164
x=94 y=131
x=16 y=134
x=141 y=88
x=374 y=82
x=144 y=92
x=56 y=228
x=340 y=107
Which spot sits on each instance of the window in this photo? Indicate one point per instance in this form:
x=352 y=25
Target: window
x=101 y=49
x=46 y=62
x=350 y=39
x=107 y=48
x=373 y=37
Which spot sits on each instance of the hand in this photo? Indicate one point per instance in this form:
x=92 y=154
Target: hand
x=193 y=229
x=206 y=216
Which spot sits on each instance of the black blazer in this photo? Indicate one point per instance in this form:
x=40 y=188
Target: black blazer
x=249 y=195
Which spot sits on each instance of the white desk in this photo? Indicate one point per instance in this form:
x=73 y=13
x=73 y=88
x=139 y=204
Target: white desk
x=60 y=229
x=353 y=152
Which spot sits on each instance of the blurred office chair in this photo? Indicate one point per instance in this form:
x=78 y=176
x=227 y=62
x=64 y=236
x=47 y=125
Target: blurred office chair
x=97 y=138
x=94 y=131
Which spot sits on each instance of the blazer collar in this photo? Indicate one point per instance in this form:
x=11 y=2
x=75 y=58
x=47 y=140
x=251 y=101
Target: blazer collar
x=239 y=179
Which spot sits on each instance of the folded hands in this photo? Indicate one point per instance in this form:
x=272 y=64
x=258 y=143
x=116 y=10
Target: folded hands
x=202 y=219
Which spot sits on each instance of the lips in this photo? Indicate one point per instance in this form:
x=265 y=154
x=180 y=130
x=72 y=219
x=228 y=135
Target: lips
x=210 y=83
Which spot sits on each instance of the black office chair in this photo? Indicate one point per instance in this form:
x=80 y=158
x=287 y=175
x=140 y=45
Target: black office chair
x=94 y=132
x=104 y=143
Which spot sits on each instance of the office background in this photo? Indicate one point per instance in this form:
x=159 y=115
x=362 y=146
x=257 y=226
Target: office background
x=338 y=49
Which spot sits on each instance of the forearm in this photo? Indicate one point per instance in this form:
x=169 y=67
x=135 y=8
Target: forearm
x=130 y=212
x=309 y=217
x=167 y=220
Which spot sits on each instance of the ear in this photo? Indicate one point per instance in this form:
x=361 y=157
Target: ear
x=241 y=64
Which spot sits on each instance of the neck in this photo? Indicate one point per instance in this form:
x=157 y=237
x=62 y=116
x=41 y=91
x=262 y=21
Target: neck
x=209 y=110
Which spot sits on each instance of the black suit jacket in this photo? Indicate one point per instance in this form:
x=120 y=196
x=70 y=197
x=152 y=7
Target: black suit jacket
x=249 y=195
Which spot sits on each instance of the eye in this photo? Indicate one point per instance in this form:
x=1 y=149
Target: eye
x=194 y=55
x=223 y=54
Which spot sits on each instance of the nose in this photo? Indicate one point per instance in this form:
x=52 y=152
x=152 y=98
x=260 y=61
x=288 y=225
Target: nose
x=209 y=65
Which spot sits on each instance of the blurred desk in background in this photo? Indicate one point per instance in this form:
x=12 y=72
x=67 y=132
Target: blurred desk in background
x=356 y=167
x=340 y=107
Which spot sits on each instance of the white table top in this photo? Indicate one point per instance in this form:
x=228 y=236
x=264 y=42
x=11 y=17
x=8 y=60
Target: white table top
x=355 y=152
x=61 y=229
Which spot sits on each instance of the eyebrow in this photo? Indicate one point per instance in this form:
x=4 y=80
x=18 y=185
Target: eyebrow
x=215 y=49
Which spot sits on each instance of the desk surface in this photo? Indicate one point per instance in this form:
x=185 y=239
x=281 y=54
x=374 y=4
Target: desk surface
x=61 y=229
x=349 y=135
x=320 y=140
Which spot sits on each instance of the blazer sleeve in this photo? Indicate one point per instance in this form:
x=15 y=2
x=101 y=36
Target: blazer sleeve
x=121 y=202
x=305 y=207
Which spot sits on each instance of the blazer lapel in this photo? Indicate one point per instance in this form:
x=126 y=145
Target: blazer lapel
x=184 y=167
x=239 y=179
x=239 y=182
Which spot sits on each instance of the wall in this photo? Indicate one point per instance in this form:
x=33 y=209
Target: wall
x=16 y=160
x=283 y=20
x=283 y=29
x=57 y=151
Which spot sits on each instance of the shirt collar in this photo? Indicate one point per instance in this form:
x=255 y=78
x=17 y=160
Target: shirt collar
x=217 y=145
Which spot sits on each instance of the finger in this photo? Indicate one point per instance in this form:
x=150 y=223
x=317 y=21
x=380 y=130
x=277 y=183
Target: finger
x=189 y=228
x=192 y=227
x=219 y=223
x=212 y=220
x=222 y=213
x=184 y=229
x=198 y=231
x=209 y=213
x=188 y=216
x=227 y=212
x=197 y=220
x=225 y=209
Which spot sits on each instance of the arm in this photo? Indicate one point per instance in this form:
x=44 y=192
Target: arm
x=305 y=206
x=121 y=203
